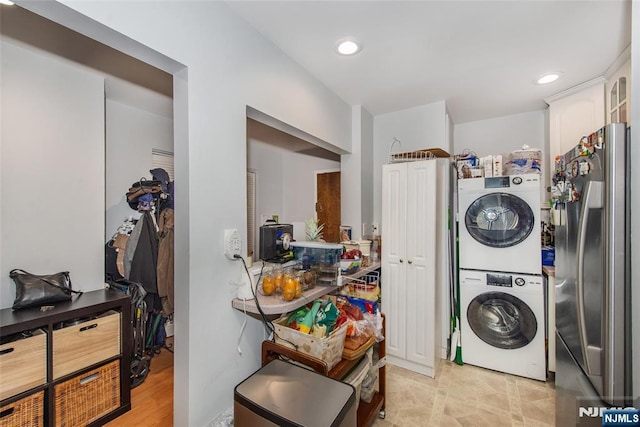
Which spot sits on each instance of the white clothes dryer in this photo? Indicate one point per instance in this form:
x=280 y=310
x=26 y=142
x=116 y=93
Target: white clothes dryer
x=499 y=221
x=503 y=322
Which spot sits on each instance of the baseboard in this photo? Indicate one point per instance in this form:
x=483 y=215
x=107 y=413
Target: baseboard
x=412 y=366
x=443 y=353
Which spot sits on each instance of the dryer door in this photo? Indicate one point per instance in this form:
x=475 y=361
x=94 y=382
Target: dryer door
x=502 y=320
x=499 y=220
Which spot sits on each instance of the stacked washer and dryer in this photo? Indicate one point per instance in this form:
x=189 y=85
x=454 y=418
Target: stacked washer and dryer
x=501 y=288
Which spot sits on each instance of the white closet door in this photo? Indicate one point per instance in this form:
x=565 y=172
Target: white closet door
x=394 y=293
x=421 y=261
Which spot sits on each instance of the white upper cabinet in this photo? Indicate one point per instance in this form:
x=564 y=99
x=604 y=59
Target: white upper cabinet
x=618 y=89
x=574 y=113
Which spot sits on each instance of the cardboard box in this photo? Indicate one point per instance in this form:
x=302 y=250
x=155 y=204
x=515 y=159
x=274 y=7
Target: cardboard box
x=497 y=165
x=487 y=165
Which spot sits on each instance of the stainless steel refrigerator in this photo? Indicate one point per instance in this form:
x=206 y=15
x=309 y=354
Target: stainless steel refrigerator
x=593 y=309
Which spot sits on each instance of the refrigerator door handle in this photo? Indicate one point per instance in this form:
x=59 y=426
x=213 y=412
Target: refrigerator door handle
x=592 y=199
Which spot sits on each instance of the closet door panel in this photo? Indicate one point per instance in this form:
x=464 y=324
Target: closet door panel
x=421 y=266
x=394 y=200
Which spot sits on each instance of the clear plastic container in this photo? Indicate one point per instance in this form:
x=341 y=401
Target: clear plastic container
x=311 y=253
x=321 y=258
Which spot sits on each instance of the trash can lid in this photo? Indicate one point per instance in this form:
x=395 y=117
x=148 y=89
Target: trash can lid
x=289 y=395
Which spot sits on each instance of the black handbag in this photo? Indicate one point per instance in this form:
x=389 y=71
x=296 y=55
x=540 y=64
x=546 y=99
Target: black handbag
x=34 y=290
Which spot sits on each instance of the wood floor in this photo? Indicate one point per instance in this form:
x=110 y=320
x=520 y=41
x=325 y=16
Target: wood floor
x=152 y=401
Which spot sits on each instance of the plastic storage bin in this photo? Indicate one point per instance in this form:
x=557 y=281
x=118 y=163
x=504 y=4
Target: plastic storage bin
x=548 y=255
x=357 y=376
x=322 y=258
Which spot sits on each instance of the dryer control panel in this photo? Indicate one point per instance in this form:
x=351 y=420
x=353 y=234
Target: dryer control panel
x=512 y=280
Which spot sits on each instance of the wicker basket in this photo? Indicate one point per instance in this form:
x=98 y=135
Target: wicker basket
x=85 y=398
x=27 y=412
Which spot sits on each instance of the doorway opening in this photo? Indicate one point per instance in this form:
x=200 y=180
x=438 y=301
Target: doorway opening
x=160 y=84
x=328 y=201
x=285 y=162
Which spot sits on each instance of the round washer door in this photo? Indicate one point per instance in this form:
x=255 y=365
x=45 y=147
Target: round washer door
x=499 y=220
x=502 y=320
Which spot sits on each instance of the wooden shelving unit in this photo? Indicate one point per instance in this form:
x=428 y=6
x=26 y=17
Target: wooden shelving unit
x=367 y=412
x=105 y=352
x=274 y=305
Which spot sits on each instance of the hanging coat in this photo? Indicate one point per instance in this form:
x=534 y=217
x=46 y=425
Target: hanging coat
x=165 y=261
x=145 y=261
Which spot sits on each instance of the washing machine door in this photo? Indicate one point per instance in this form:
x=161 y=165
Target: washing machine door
x=502 y=320
x=499 y=220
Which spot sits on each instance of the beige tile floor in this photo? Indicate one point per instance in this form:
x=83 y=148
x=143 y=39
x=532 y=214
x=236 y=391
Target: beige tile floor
x=466 y=396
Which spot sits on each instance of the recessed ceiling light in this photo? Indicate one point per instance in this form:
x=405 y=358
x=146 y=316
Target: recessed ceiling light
x=348 y=46
x=7 y=2
x=548 y=78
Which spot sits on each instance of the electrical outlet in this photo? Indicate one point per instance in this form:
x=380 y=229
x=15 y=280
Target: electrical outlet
x=232 y=243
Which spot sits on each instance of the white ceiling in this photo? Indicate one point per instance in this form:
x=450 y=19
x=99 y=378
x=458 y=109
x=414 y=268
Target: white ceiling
x=481 y=57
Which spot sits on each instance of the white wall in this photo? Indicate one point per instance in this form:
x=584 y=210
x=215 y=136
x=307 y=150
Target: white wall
x=299 y=180
x=229 y=66
x=357 y=175
x=367 y=167
x=267 y=162
x=131 y=134
x=500 y=135
x=635 y=198
x=417 y=128
x=52 y=168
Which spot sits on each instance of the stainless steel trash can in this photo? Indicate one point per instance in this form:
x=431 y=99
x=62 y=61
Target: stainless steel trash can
x=283 y=394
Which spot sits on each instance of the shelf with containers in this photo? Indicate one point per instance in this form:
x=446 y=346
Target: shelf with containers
x=322 y=259
x=275 y=305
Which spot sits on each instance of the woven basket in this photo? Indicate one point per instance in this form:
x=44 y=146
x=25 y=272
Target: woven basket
x=87 y=397
x=27 y=412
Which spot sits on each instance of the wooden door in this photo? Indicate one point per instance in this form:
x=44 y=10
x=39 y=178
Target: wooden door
x=328 y=205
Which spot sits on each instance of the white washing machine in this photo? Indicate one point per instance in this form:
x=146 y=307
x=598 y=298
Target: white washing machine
x=503 y=322
x=499 y=221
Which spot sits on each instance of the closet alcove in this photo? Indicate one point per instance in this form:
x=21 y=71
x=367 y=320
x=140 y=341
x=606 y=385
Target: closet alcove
x=82 y=122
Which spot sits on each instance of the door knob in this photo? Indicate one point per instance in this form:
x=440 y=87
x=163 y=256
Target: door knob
x=401 y=260
x=410 y=262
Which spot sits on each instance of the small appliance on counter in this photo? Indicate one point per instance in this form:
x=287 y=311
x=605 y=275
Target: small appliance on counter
x=275 y=240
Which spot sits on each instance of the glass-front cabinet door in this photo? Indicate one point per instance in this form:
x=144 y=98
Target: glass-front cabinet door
x=618 y=90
